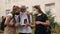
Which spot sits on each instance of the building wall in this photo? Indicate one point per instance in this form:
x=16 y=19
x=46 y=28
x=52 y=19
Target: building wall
x=5 y=4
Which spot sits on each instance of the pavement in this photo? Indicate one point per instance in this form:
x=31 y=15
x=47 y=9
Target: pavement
x=1 y=32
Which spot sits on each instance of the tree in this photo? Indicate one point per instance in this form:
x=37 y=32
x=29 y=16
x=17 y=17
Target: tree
x=51 y=18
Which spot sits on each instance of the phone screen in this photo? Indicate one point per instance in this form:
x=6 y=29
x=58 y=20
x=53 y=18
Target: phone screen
x=25 y=21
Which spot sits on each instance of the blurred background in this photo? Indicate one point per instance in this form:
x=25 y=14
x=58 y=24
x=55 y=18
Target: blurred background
x=50 y=7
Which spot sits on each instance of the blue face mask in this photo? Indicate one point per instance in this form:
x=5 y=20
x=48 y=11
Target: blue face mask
x=35 y=12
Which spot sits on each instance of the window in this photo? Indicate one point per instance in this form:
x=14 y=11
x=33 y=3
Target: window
x=50 y=7
x=7 y=11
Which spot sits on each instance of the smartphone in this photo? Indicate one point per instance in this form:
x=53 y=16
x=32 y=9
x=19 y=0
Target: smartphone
x=25 y=21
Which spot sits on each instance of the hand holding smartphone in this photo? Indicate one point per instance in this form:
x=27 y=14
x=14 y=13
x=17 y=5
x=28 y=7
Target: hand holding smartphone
x=25 y=21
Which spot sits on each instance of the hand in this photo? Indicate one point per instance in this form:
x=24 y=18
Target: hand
x=12 y=30
x=38 y=22
x=21 y=25
x=27 y=24
x=16 y=24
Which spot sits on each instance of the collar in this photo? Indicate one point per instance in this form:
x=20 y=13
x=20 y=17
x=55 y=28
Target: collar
x=39 y=14
x=24 y=13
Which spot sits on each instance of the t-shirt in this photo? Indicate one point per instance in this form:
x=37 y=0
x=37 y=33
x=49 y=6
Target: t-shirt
x=11 y=21
x=43 y=17
x=24 y=29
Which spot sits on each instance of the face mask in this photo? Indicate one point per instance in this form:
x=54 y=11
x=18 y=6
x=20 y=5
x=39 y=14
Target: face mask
x=35 y=12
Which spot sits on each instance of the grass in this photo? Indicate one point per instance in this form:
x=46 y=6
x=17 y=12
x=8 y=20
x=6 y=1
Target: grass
x=55 y=30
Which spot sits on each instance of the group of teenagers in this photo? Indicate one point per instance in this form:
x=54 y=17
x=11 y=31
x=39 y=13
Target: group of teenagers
x=21 y=19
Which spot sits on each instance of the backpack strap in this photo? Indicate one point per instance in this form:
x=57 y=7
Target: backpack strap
x=28 y=15
x=19 y=17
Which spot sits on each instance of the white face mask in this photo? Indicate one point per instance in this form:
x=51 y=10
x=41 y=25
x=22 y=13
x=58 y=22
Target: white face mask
x=35 y=12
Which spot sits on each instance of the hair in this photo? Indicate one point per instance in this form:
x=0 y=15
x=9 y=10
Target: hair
x=13 y=12
x=23 y=8
x=15 y=9
x=38 y=7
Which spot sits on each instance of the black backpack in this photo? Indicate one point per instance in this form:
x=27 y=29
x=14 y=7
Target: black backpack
x=2 y=24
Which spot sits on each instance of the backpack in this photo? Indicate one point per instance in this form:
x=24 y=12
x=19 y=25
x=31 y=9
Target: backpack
x=2 y=24
x=28 y=15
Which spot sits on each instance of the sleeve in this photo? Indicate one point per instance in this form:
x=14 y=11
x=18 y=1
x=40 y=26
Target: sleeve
x=30 y=18
x=7 y=16
x=45 y=16
x=10 y=15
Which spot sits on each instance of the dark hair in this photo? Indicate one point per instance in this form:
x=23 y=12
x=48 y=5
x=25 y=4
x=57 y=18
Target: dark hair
x=38 y=7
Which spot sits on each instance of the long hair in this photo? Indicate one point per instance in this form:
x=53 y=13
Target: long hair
x=14 y=11
x=38 y=8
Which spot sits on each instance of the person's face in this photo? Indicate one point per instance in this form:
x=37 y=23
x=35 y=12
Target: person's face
x=2 y=17
x=17 y=11
x=23 y=10
x=34 y=9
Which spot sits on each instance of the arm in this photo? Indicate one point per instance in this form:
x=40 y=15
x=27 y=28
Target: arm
x=45 y=19
x=32 y=25
x=46 y=23
x=43 y=23
x=7 y=22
